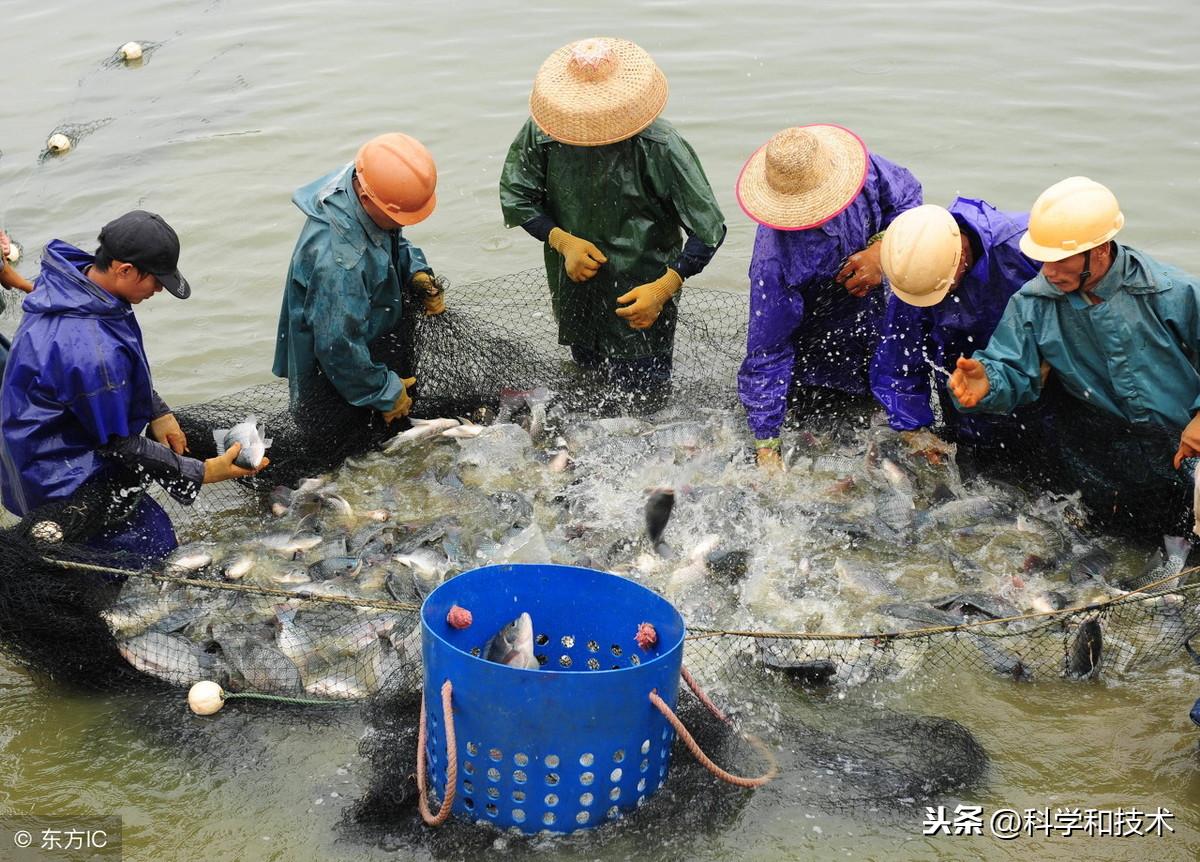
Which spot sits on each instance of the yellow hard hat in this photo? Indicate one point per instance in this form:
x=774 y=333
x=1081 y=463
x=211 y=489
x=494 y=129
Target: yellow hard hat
x=921 y=252
x=1070 y=217
x=398 y=174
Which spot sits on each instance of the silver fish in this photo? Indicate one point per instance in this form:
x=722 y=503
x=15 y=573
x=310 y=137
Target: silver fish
x=421 y=428
x=513 y=645
x=250 y=435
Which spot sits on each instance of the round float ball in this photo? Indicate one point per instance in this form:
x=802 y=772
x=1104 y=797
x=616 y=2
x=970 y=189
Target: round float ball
x=58 y=143
x=131 y=51
x=206 y=698
x=14 y=252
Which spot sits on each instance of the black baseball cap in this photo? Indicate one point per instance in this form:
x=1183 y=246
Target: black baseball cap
x=149 y=243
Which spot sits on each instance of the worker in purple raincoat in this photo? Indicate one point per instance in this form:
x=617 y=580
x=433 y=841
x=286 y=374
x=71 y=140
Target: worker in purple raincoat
x=822 y=201
x=951 y=272
x=77 y=394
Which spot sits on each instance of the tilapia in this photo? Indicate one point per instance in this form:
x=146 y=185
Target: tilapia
x=1165 y=562
x=252 y=438
x=421 y=429
x=1086 y=650
x=658 y=512
x=169 y=657
x=513 y=645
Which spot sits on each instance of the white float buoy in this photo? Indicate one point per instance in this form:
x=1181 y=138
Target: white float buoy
x=206 y=698
x=130 y=51
x=58 y=143
x=46 y=532
x=14 y=253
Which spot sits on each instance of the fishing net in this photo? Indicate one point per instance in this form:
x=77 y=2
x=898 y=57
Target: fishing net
x=303 y=583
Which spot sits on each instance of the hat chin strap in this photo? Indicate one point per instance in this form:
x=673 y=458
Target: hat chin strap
x=1087 y=268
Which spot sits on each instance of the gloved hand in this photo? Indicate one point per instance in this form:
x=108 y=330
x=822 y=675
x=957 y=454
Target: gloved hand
x=969 y=383
x=222 y=467
x=1189 y=441
x=583 y=259
x=862 y=271
x=403 y=403
x=165 y=429
x=648 y=300
x=768 y=456
x=922 y=441
x=432 y=293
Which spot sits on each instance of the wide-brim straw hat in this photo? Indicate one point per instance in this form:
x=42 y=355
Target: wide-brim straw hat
x=803 y=176
x=597 y=91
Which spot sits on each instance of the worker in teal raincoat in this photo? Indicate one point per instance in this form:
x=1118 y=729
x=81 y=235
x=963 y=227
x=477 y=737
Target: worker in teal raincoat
x=346 y=301
x=1120 y=331
x=611 y=190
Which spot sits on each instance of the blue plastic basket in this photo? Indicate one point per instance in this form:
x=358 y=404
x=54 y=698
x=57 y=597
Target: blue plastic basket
x=574 y=743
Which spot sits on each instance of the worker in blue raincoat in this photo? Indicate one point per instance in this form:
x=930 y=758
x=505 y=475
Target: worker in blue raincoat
x=346 y=301
x=1121 y=333
x=611 y=189
x=77 y=393
x=951 y=272
x=822 y=202
x=9 y=278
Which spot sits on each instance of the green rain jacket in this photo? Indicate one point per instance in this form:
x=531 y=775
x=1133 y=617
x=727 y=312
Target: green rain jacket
x=1135 y=355
x=630 y=199
x=344 y=290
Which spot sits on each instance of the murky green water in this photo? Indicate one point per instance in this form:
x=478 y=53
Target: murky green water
x=241 y=103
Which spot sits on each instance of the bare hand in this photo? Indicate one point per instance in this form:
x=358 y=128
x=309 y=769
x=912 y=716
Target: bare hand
x=1189 y=442
x=222 y=467
x=862 y=271
x=769 y=459
x=165 y=429
x=969 y=383
x=5 y=244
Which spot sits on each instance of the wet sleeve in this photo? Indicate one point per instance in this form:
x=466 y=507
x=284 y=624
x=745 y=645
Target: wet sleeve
x=539 y=227
x=691 y=197
x=179 y=476
x=1012 y=363
x=899 y=190
x=776 y=312
x=337 y=307
x=523 y=179
x=899 y=373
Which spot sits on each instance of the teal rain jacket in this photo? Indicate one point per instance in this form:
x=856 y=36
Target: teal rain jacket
x=1135 y=355
x=630 y=199
x=344 y=291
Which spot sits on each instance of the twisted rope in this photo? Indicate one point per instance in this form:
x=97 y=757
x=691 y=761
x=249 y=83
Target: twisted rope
x=451 y=762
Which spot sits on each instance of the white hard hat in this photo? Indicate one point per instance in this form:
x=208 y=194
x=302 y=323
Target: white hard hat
x=921 y=253
x=1070 y=217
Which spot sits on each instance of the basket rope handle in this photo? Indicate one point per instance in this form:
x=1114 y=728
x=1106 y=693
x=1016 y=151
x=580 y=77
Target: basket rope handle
x=451 y=762
x=698 y=753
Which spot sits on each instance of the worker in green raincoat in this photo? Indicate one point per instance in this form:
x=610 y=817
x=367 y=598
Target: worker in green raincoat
x=344 y=328
x=610 y=188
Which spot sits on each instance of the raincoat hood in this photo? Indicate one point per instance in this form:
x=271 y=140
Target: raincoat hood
x=331 y=201
x=64 y=288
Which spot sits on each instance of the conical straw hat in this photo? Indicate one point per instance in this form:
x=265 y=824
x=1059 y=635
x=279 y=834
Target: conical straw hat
x=597 y=91
x=803 y=176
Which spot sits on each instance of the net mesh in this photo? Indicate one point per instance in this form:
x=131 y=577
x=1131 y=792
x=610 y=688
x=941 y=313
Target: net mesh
x=284 y=588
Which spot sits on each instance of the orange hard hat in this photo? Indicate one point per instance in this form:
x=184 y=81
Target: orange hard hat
x=398 y=174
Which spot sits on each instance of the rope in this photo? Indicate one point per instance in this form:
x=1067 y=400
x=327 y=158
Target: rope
x=279 y=698
x=451 y=762
x=382 y=604
x=698 y=752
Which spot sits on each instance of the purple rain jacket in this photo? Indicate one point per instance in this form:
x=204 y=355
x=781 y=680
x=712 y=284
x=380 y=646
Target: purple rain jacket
x=803 y=327
x=957 y=326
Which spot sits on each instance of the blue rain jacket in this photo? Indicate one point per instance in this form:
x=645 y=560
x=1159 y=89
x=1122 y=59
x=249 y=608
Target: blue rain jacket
x=957 y=326
x=77 y=377
x=1135 y=355
x=804 y=327
x=344 y=290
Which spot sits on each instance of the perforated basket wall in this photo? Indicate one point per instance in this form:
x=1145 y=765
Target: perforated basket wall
x=570 y=745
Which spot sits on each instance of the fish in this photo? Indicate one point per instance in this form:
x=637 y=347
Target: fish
x=169 y=657
x=513 y=645
x=728 y=564
x=976 y=605
x=188 y=559
x=421 y=429
x=332 y=567
x=658 y=512
x=361 y=675
x=261 y=667
x=428 y=567
x=238 y=567
x=1166 y=561
x=1086 y=650
x=252 y=437
x=998 y=658
x=807 y=672
x=466 y=430
x=289 y=544
x=1095 y=564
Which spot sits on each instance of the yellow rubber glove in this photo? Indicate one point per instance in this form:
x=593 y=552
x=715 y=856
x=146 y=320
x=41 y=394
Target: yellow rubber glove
x=769 y=459
x=403 y=403
x=432 y=293
x=648 y=300
x=583 y=259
